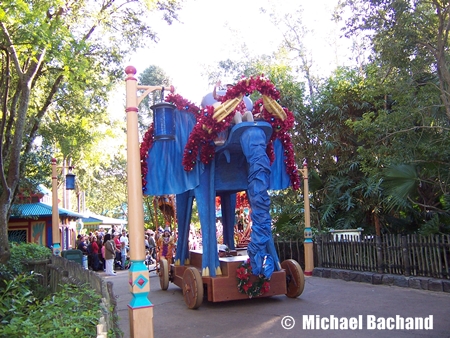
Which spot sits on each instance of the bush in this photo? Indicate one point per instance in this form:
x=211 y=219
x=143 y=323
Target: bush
x=25 y=252
x=16 y=298
x=287 y=225
x=72 y=312
x=27 y=311
x=21 y=254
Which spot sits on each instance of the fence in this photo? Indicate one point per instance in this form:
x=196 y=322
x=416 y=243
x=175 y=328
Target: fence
x=57 y=271
x=409 y=255
x=290 y=249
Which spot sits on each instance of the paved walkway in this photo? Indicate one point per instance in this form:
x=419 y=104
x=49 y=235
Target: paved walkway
x=264 y=317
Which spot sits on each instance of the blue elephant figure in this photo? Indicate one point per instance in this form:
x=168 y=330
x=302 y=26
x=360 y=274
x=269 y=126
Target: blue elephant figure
x=239 y=164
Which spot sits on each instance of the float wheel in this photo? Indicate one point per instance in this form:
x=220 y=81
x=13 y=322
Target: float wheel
x=163 y=274
x=295 y=279
x=192 y=288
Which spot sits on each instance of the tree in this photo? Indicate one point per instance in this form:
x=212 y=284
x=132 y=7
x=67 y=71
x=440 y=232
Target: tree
x=408 y=33
x=408 y=134
x=151 y=76
x=344 y=196
x=103 y=175
x=54 y=55
x=294 y=33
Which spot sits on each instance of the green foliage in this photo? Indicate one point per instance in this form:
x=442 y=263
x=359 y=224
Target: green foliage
x=404 y=138
x=287 y=214
x=336 y=179
x=72 y=312
x=17 y=266
x=289 y=225
x=153 y=76
x=21 y=253
x=376 y=138
x=28 y=310
x=400 y=183
x=16 y=298
x=58 y=62
x=438 y=224
x=105 y=183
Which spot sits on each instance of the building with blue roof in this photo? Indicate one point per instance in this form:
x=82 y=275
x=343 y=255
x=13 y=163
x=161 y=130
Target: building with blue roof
x=31 y=221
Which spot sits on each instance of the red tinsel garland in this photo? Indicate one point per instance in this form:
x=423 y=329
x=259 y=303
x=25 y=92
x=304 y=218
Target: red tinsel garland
x=206 y=129
x=146 y=145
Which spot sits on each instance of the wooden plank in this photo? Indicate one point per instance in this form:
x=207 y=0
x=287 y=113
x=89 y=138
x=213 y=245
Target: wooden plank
x=446 y=254
x=225 y=288
x=434 y=257
x=327 y=246
x=437 y=255
x=290 y=248
x=385 y=252
x=419 y=255
x=365 y=258
x=177 y=275
x=398 y=254
x=229 y=265
x=410 y=255
x=426 y=256
x=195 y=258
x=414 y=261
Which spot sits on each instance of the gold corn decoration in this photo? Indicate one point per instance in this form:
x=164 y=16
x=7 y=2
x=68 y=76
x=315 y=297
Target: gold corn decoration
x=226 y=108
x=207 y=129
x=274 y=108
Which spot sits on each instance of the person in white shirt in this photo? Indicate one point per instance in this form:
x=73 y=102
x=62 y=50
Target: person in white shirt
x=123 y=247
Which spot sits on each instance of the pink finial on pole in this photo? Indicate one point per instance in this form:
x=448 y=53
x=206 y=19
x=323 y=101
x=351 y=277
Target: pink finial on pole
x=130 y=70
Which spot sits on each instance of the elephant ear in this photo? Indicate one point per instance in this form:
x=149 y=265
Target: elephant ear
x=166 y=175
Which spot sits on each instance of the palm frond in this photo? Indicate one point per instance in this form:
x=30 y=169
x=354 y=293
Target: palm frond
x=401 y=180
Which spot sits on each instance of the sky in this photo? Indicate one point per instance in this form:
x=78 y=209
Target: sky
x=211 y=31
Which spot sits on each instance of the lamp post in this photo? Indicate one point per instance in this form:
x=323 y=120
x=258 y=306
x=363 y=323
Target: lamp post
x=56 y=238
x=70 y=184
x=140 y=308
x=308 y=243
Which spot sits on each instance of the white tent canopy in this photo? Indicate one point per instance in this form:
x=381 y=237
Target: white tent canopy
x=109 y=221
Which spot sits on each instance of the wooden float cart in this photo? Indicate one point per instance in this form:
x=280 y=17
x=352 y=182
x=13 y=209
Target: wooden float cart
x=289 y=281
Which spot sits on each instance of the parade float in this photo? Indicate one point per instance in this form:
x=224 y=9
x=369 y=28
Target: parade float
x=204 y=152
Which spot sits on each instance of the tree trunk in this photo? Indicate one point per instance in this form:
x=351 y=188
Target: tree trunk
x=10 y=176
x=4 y=243
x=376 y=220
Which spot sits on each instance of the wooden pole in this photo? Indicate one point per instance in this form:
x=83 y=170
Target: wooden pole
x=56 y=240
x=140 y=308
x=308 y=244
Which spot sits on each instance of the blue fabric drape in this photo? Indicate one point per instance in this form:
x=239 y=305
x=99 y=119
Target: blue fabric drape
x=279 y=179
x=166 y=174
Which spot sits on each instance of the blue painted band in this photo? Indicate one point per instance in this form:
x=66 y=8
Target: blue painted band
x=137 y=266
x=140 y=300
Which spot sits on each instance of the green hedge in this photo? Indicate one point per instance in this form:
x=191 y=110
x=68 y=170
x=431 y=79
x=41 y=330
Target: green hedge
x=25 y=311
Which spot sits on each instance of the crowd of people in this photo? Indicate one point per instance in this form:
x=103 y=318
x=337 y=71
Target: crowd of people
x=109 y=250
x=105 y=251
